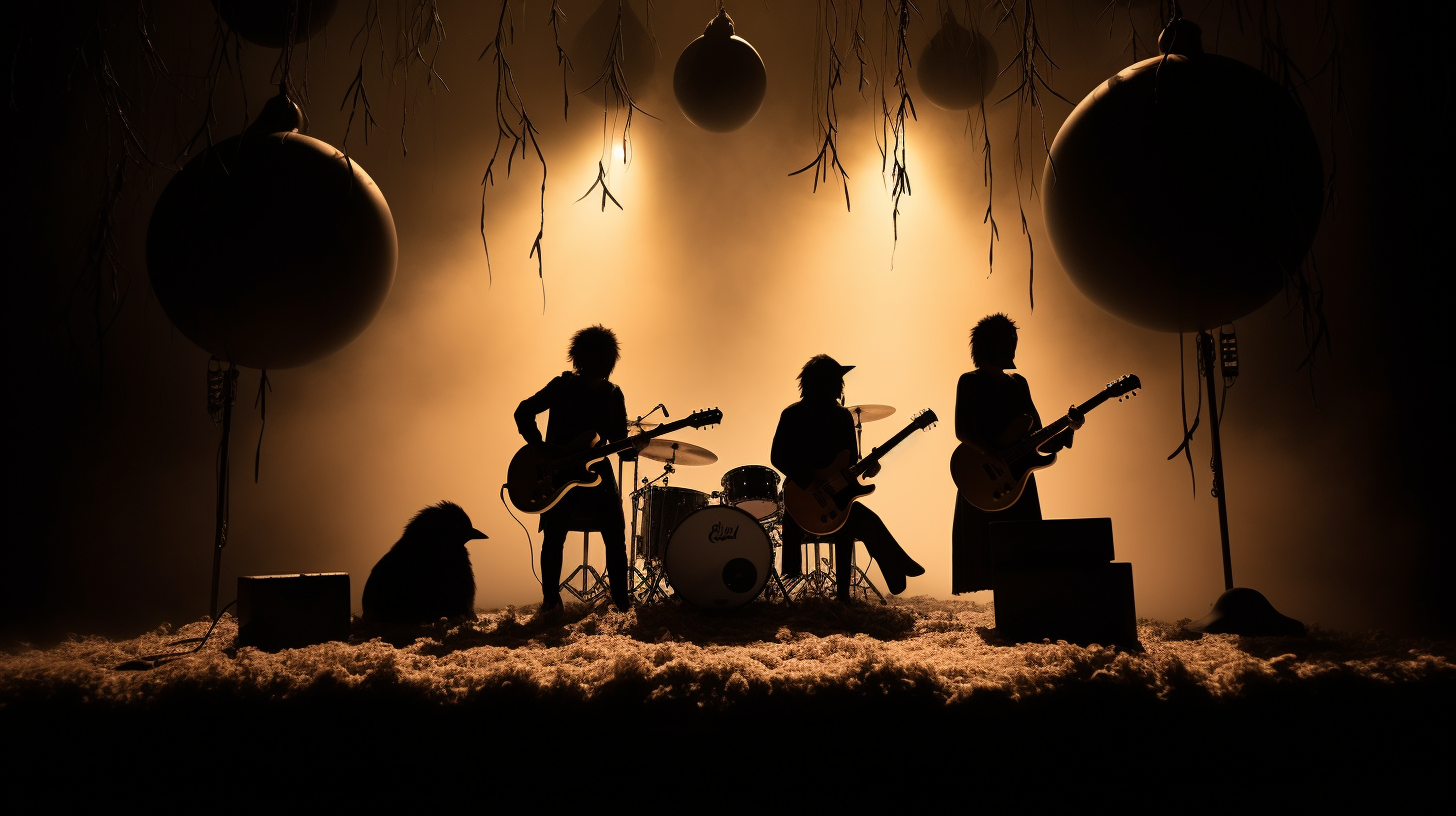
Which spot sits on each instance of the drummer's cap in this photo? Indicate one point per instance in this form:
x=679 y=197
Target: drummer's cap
x=822 y=372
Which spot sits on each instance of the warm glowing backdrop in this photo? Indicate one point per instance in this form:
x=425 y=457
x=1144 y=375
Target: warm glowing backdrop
x=721 y=275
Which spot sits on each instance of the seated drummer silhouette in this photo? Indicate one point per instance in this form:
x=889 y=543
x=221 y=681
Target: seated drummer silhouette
x=811 y=434
x=580 y=400
x=990 y=406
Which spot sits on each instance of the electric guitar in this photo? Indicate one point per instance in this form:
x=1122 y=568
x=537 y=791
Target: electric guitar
x=541 y=473
x=994 y=479
x=823 y=507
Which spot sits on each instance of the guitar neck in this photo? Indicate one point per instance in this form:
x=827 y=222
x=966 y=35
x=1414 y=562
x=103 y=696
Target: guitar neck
x=623 y=444
x=880 y=451
x=1036 y=439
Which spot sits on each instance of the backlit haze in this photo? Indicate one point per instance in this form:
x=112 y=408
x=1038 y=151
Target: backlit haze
x=721 y=276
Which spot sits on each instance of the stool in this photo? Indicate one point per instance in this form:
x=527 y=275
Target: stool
x=593 y=585
x=823 y=580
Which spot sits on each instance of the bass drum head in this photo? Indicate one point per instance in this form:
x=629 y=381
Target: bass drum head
x=718 y=558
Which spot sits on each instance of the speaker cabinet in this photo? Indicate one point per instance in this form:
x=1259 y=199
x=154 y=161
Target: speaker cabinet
x=1056 y=580
x=290 y=611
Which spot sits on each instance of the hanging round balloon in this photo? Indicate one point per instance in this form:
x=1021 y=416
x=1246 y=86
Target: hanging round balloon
x=1183 y=192
x=957 y=67
x=271 y=249
x=594 y=44
x=274 y=23
x=719 y=81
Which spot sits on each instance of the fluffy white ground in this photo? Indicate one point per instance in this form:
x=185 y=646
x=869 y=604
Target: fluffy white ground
x=754 y=681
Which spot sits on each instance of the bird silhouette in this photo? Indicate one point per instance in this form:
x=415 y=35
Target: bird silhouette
x=426 y=575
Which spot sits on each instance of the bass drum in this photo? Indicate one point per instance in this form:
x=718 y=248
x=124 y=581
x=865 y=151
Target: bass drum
x=718 y=558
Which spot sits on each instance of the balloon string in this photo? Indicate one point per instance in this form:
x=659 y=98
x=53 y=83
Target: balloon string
x=261 y=401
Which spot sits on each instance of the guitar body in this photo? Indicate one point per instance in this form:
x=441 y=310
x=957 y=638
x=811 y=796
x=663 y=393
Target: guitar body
x=823 y=507
x=541 y=473
x=994 y=480
x=536 y=485
x=989 y=481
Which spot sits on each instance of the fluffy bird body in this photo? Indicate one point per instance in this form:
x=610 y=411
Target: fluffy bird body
x=426 y=575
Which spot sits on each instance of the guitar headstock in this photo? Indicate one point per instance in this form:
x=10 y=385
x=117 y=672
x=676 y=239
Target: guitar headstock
x=706 y=417
x=1127 y=385
x=925 y=419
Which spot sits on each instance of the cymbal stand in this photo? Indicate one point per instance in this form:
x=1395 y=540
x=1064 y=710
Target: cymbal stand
x=859 y=582
x=635 y=576
x=775 y=580
x=655 y=574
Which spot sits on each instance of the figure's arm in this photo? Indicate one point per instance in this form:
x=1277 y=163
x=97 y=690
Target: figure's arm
x=529 y=408
x=786 y=455
x=617 y=426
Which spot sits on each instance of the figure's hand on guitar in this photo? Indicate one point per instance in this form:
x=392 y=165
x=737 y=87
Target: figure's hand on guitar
x=874 y=468
x=1077 y=417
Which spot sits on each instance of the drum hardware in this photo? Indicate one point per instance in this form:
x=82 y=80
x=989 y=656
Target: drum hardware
x=823 y=580
x=589 y=592
x=863 y=414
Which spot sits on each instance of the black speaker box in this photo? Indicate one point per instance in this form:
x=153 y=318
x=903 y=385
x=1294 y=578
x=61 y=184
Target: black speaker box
x=290 y=611
x=1051 y=543
x=1086 y=605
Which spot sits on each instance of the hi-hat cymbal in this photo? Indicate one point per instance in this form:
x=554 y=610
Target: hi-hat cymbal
x=870 y=413
x=678 y=453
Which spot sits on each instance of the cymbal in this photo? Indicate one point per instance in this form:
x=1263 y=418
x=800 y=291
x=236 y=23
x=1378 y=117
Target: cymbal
x=678 y=453
x=646 y=426
x=870 y=413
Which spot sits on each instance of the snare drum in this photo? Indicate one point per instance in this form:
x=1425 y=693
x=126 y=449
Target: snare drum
x=718 y=558
x=662 y=509
x=753 y=489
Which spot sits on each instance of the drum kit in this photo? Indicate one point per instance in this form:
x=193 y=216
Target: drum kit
x=714 y=550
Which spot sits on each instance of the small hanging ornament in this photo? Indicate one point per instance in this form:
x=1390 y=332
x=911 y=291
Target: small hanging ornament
x=719 y=81
x=271 y=249
x=1183 y=192
x=267 y=22
x=957 y=67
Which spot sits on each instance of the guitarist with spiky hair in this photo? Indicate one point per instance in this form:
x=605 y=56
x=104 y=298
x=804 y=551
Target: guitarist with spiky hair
x=989 y=404
x=583 y=400
x=811 y=434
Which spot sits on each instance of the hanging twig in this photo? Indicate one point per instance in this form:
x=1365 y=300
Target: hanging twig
x=1031 y=82
x=892 y=141
x=616 y=97
x=357 y=93
x=521 y=132
x=421 y=30
x=826 y=53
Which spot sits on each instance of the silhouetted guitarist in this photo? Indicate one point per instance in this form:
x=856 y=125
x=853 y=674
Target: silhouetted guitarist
x=583 y=400
x=992 y=407
x=811 y=434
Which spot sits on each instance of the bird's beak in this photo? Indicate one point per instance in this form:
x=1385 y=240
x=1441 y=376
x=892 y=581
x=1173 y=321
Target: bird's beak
x=474 y=533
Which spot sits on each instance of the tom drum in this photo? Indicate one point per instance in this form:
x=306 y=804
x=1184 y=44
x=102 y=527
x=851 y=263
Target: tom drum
x=752 y=488
x=662 y=509
x=718 y=558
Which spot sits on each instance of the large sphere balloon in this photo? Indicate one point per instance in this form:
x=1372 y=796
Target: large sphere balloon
x=1182 y=193
x=593 y=42
x=719 y=81
x=267 y=22
x=957 y=67
x=271 y=249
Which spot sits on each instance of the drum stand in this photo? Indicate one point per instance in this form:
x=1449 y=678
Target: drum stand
x=649 y=583
x=589 y=592
x=823 y=580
